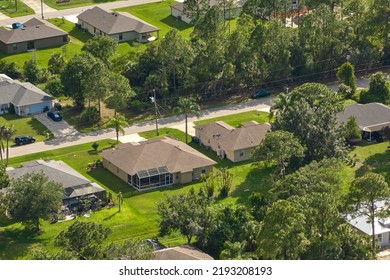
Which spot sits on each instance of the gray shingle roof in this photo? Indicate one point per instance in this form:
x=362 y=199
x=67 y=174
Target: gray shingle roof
x=34 y=29
x=183 y=252
x=74 y=183
x=248 y=136
x=21 y=94
x=114 y=22
x=370 y=117
x=173 y=154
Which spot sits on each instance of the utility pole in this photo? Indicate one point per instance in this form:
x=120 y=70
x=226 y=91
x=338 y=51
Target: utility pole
x=154 y=100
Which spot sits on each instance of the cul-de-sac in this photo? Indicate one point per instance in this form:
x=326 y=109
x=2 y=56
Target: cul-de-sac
x=194 y=129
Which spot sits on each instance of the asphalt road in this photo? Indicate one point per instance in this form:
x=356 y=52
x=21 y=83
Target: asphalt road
x=80 y=138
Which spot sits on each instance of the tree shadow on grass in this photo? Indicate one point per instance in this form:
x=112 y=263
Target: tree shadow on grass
x=378 y=163
x=178 y=24
x=111 y=216
x=259 y=179
x=15 y=243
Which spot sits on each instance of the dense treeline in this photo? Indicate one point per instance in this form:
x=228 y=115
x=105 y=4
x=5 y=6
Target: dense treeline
x=263 y=50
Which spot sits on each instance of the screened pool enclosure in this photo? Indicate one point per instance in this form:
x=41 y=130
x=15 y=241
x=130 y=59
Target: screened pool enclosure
x=151 y=178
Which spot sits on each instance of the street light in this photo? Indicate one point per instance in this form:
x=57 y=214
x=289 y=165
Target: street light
x=287 y=90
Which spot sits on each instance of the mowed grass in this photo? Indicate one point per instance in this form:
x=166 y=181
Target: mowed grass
x=74 y=3
x=42 y=56
x=237 y=119
x=8 y=8
x=138 y=217
x=159 y=15
x=25 y=126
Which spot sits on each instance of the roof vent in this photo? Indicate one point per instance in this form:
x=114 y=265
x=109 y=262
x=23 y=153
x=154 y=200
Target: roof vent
x=37 y=26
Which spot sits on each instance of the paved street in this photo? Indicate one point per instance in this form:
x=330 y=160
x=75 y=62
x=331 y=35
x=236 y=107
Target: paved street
x=74 y=11
x=76 y=139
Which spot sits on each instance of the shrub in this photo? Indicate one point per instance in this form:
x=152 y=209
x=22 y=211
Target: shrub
x=54 y=87
x=13 y=71
x=95 y=146
x=90 y=115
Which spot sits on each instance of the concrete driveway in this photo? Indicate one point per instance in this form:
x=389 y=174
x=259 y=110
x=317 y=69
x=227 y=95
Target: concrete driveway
x=59 y=129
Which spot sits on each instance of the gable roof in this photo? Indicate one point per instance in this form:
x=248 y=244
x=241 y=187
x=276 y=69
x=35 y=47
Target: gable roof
x=74 y=183
x=114 y=22
x=34 y=29
x=369 y=117
x=249 y=135
x=175 y=155
x=21 y=94
x=183 y=252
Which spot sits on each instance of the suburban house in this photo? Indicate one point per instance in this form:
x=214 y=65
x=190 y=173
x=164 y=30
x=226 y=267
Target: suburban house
x=76 y=186
x=156 y=163
x=117 y=25
x=371 y=117
x=26 y=98
x=178 y=10
x=382 y=226
x=236 y=144
x=182 y=252
x=31 y=35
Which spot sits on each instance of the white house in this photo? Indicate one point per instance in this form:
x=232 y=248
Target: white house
x=382 y=226
x=26 y=98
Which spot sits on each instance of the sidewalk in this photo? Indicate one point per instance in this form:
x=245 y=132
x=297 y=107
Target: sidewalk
x=36 y=6
x=172 y=121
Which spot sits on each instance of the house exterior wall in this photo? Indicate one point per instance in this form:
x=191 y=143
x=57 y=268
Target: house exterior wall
x=384 y=238
x=38 y=44
x=115 y=170
x=186 y=177
x=246 y=154
x=176 y=13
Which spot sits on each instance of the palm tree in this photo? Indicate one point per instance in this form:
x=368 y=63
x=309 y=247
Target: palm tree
x=120 y=200
x=279 y=105
x=118 y=122
x=7 y=133
x=187 y=105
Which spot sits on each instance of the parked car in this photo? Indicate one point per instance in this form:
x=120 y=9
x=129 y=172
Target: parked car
x=22 y=140
x=261 y=93
x=54 y=115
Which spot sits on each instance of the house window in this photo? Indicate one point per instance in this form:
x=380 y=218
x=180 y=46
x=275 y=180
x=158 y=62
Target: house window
x=379 y=238
x=203 y=170
x=100 y=32
x=94 y=30
x=241 y=153
x=177 y=176
x=120 y=37
x=14 y=47
x=65 y=38
x=208 y=141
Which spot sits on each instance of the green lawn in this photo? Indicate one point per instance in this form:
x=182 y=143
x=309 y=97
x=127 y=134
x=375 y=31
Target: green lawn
x=174 y=133
x=7 y=7
x=159 y=15
x=237 y=119
x=348 y=102
x=25 y=126
x=77 y=39
x=74 y=3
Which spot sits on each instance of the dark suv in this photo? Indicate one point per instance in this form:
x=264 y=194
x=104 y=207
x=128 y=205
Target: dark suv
x=21 y=140
x=55 y=116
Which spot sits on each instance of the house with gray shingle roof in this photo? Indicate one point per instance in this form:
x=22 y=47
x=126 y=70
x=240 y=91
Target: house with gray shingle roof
x=371 y=117
x=229 y=142
x=118 y=25
x=35 y=34
x=76 y=186
x=156 y=163
x=26 y=98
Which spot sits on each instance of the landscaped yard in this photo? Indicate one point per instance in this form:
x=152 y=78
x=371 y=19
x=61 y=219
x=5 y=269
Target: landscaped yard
x=74 y=3
x=237 y=119
x=25 y=126
x=159 y=15
x=8 y=8
x=77 y=39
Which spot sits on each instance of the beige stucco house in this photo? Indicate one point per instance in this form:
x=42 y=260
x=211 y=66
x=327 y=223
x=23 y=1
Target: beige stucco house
x=118 y=25
x=156 y=163
x=236 y=144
